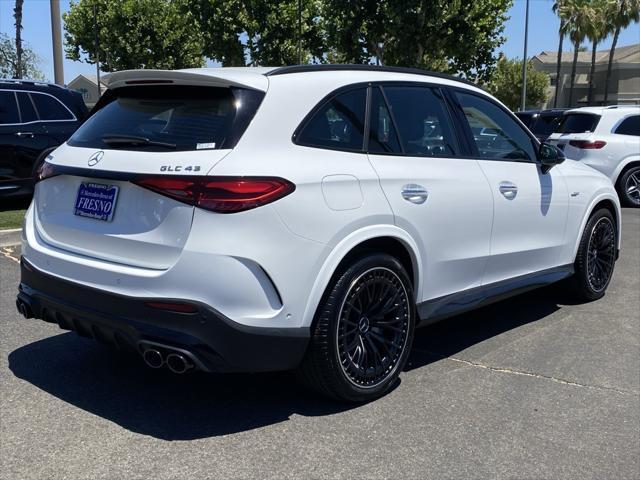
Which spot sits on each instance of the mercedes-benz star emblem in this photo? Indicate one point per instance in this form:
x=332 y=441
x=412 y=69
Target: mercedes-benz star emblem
x=95 y=158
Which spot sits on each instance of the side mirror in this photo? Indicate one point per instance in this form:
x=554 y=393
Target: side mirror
x=549 y=156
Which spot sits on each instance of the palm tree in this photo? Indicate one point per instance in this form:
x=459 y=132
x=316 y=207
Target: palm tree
x=17 y=13
x=596 y=30
x=575 y=13
x=561 y=34
x=623 y=14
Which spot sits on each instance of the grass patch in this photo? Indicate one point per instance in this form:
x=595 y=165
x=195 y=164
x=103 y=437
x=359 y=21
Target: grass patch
x=11 y=219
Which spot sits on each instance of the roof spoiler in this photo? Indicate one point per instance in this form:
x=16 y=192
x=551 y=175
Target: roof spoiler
x=208 y=77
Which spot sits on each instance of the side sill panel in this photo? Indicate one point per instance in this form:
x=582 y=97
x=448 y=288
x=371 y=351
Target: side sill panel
x=439 y=308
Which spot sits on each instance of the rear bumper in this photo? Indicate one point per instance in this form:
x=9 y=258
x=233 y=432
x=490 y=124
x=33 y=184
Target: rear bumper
x=216 y=342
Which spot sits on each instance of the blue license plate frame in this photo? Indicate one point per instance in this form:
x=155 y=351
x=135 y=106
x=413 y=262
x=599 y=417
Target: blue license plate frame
x=96 y=201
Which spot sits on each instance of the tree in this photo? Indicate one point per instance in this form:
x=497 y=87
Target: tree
x=134 y=34
x=622 y=13
x=561 y=34
x=575 y=14
x=506 y=83
x=596 y=30
x=259 y=32
x=9 y=60
x=17 y=14
x=454 y=36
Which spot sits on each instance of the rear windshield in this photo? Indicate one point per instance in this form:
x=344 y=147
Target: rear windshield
x=577 y=123
x=169 y=118
x=545 y=124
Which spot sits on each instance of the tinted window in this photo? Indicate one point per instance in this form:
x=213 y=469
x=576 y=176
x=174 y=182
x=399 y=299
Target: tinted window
x=527 y=118
x=338 y=124
x=27 y=112
x=544 y=125
x=629 y=126
x=169 y=118
x=422 y=120
x=577 y=123
x=8 y=108
x=495 y=133
x=382 y=133
x=50 y=108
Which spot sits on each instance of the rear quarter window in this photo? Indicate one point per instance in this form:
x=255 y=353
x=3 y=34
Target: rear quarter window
x=629 y=126
x=577 y=123
x=180 y=118
x=338 y=124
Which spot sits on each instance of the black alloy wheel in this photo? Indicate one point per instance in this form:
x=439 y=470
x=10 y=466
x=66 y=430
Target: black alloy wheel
x=596 y=257
x=373 y=327
x=601 y=256
x=362 y=332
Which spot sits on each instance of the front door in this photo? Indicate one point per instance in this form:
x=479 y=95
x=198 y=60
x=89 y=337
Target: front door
x=530 y=207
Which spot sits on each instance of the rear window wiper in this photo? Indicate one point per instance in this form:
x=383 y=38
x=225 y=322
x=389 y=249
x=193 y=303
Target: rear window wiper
x=132 y=140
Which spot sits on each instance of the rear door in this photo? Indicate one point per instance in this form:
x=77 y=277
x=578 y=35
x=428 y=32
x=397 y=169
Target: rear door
x=22 y=138
x=438 y=196
x=530 y=207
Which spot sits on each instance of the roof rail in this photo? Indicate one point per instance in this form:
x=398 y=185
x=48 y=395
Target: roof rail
x=627 y=105
x=30 y=82
x=360 y=67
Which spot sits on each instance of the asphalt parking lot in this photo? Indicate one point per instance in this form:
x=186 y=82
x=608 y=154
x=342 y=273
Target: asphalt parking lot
x=528 y=388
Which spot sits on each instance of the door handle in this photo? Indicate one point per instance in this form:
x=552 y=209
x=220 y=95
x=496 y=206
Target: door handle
x=508 y=190
x=25 y=134
x=415 y=193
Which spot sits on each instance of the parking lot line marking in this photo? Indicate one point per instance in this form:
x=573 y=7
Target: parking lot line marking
x=7 y=252
x=530 y=374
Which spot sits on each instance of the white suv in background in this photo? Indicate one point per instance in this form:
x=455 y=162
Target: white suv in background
x=607 y=139
x=303 y=218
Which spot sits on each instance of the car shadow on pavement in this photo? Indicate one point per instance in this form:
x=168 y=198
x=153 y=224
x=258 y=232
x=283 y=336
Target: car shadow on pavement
x=455 y=334
x=120 y=388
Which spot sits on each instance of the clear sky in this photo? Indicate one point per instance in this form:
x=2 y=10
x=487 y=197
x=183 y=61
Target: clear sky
x=543 y=27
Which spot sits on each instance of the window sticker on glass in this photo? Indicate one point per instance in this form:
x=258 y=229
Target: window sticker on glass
x=204 y=146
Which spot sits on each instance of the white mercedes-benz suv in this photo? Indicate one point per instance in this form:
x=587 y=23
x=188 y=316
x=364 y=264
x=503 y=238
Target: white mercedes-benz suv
x=607 y=139
x=305 y=218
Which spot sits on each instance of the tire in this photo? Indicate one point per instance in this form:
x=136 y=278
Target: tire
x=629 y=187
x=596 y=257
x=359 y=345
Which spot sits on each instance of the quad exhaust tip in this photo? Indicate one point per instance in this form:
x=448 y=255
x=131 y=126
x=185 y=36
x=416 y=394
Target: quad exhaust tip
x=24 y=309
x=174 y=361
x=178 y=363
x=153 y=358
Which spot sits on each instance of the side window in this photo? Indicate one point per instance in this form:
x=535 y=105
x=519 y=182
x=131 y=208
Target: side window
x=8 y=108
x=629 y=126
x=496 y=134
x=383 y=137
x=338 y=123
x=422 y=120
x=27 y=111
x=50 y=108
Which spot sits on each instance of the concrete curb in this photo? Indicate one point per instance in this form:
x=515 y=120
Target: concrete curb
x=10 y=237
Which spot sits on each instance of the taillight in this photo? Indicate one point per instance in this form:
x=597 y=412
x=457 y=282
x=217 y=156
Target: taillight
x=45 y=170
x=220 y=194
x=587 y=144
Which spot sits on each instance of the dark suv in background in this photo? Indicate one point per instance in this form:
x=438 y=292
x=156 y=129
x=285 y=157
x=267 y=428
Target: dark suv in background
x=35 y=118
x=540 y=122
